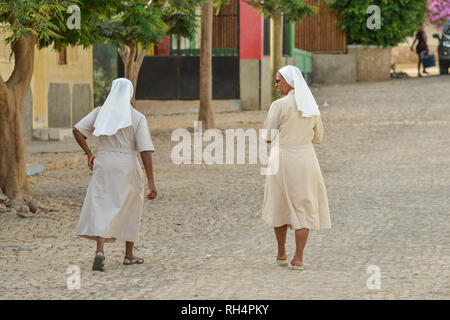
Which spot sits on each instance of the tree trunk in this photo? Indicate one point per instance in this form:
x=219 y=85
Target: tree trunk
x=132 y=65
x=276 y=48
x=205 y=112
x=13 y=177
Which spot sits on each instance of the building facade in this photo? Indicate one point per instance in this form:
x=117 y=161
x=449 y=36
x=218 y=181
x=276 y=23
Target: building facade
x=241 y=61
x=61 y=89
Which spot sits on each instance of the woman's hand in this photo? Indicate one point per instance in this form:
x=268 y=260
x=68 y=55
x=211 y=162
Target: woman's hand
x=152 y=191
x=91 y=161
x=147 y=161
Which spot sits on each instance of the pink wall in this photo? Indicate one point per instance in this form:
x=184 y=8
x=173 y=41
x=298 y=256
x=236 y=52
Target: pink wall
x=250 y=32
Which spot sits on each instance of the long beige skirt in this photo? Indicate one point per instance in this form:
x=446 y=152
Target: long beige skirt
x=296 y=194
x=113 y=205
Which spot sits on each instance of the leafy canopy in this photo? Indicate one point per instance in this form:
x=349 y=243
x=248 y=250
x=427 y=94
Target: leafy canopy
x=399 y=19
x=45 y=19
x=117 y=21
x=292 y=10
x=144 y=22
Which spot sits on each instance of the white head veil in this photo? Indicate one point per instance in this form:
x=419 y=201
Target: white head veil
x=303 y=96
x=115 y=113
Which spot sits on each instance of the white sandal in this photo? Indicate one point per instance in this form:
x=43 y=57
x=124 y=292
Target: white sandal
x=295 y=267
x=282 y=262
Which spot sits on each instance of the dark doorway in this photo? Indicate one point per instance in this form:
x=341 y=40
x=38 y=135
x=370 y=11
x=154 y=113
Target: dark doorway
x=178 y=77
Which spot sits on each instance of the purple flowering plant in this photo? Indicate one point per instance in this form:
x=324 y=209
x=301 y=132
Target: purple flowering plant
x=438 y=12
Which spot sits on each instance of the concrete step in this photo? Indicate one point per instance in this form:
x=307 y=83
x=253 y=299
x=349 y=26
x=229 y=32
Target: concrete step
x=53 y=134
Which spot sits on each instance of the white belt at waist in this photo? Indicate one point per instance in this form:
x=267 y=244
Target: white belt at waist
x=111 y=149
x=296 y=147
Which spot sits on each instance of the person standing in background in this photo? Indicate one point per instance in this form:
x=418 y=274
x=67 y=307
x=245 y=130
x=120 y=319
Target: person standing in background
x=421 y=49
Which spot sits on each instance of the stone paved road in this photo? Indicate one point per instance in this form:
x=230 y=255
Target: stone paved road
x=385 y=160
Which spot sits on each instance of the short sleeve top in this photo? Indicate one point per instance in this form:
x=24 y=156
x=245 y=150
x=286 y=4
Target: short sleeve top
x=293 y=129
x=135 y=137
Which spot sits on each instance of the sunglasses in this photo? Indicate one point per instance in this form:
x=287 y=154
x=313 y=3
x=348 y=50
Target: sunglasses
x=277 y=80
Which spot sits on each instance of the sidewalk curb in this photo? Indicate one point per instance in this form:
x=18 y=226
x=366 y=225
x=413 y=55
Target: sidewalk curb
x=64 y=163
x=36 y=169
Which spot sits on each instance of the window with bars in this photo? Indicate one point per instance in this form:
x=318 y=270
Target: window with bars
x=62 y=56
x=67 y=56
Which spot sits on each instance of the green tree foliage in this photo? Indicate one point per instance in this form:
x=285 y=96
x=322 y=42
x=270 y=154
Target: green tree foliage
x=399 y=19
x=44 y=19
x=292 y=10
x=122 y=22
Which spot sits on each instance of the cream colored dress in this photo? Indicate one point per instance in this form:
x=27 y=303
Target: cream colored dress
x=296 y=194
x=113 y=205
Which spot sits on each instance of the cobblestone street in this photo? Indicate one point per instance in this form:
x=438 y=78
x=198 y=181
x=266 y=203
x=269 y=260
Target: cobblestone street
x=385 y=159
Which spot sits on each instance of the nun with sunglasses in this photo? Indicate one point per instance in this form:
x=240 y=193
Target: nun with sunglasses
x=114 y=200
x=295 y=196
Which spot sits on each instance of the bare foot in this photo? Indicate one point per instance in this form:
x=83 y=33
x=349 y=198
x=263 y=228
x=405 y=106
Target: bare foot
x=282 y=256
x=296 y=262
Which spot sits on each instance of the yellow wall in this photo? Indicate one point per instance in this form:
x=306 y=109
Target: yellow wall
x=46 y=71
x=6 y=65
x=39 y=90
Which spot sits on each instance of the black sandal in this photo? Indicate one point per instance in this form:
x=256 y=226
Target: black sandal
x=138 y=260
x=99 y=261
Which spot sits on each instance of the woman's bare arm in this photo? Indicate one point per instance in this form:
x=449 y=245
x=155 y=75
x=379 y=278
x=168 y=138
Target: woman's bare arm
x=81 y=139
x=146 y=157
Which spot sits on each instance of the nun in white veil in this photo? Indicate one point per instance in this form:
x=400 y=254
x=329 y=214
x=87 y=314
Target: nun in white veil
x=113 y=204
x=295 y=196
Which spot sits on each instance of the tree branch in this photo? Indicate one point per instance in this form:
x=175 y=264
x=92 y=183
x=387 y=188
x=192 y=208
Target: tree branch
x=5 y=101
x=132 y=53
x=2 y=84
x=140 y=59
x=124 y=53
x=23 y=49
x=3 y=93
x=130 y=62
